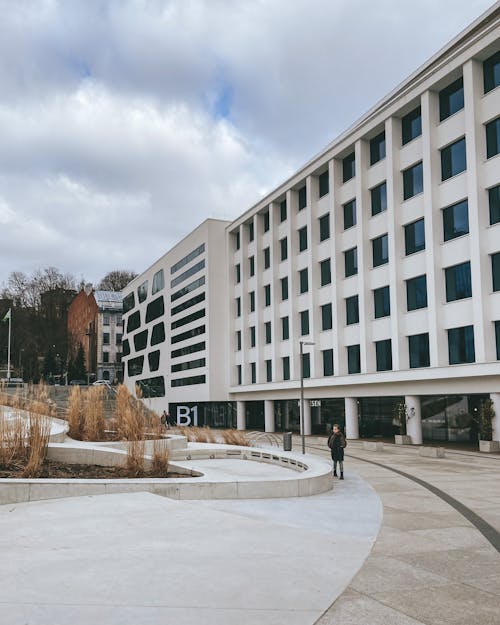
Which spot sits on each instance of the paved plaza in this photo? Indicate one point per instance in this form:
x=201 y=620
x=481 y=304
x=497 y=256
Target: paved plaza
x=380 y=549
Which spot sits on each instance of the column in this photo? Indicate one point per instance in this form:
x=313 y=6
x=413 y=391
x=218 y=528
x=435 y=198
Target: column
x=240 y=416
x=351 y=417
x=414 y=423
x=269 y=415
x=495 y=398
x=307 y=417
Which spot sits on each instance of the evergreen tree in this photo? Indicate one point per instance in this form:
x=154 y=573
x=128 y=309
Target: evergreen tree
x=79 y=370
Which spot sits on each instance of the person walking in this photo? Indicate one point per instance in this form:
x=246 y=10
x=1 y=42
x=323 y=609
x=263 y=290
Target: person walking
x=337 y=443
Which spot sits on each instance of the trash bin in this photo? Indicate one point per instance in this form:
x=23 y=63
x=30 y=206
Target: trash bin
x=287 y=441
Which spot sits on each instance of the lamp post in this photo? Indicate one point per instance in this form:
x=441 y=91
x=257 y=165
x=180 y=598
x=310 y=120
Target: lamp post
x=302 y=343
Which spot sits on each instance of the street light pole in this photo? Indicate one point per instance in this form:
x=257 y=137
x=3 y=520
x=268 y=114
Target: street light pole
x=302 y=429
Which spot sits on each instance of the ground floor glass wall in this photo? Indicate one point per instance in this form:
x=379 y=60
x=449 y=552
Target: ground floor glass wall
x=326 y=412
x=287 y=415
x=211 y=413
x=378 y=416
x=451 y=418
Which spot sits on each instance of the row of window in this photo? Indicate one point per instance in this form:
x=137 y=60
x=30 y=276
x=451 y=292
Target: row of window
x=107 y=319
x=106 y=357
x=460 y=351
x=106 y=339
x=453 y=157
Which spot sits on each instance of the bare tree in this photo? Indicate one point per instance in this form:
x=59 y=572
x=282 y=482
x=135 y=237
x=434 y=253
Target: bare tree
x=25 y=291
x=116 y=280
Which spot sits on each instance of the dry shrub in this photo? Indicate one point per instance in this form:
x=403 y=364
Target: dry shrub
x=37 y=442
x=93 y=414
x=75 y=414
x=160 y=454
x=13 y=433
x=235 y=437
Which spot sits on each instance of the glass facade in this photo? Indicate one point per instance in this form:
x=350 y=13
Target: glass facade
x=376 y=416
x=451 y=418
x=287 y=415
x=205 y=414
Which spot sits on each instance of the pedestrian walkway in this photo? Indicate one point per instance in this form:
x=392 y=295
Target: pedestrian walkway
x=430 y=565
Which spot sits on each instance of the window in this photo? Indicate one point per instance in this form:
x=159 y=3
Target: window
x=324 y=227
x=267 y=328
x=382 y=302
x=189 y=334
x=379 y=198
x=118 y=320
x=349 y=214
x=238 y=375
x=458 y=282
x=352 y=310
x=353 y=359
x=140 y=340
x=495 y=271
x=199 y=314
x=189 y=349
x=306 y=365
x=192 y=301
x=237 y=241
x=453 y=159
x=126 y=347
x=186 y=366
x=128 y=302
x=491 y=72
x=253 y=370
x=252 y=336
x=383 y=353
x=416 y=293
x=377 y=148
x=157 y=334
x=455 y=220
x=493 y=138
x=323 y=184
x=283 y=210
x=195 y=379
x=188 y=273
x=187 y=259
x=118 y=339
x=284 y=289
x=154 y=360
x=251 y=266
x=158 y=282
x=187 y=289
x=142 y=291
x=302 y=193
x=303 y=239
x=494 y=204
x=283 y=248
x=134 y=321
x=497 y=338
x=238 y=273
x=252 y=300
x=135 y=365
x=269 y=370
x=267 y=295
x=418 y=349
x=451 y=99
x=238 y=306
x=267 y=257
x=413 y=181
x=251 y=233
x=105 y=338
x=265 y=221
x=105 y=356
x=304 y=322
x=105 y=320
x=348 y=167
x=327 y=362
x=326 y=272
x=285 y=361
x=238 y=340
x=461 y=345
x=411 y=125
x=380 y=250
x=326 y=317
x=304 y=281
x=351 y=262
x=414 y=237
x=152 y=387
x=285 y=329
x=155 y=309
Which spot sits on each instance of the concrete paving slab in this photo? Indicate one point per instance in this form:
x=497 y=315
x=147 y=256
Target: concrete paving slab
x=458 y=564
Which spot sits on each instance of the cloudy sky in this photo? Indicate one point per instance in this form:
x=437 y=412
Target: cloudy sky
x=125 y=123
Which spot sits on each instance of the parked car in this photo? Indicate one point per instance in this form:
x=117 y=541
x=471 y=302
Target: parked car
x=100 y=383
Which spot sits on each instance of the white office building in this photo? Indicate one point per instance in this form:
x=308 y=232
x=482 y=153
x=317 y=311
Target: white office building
x=382 y=254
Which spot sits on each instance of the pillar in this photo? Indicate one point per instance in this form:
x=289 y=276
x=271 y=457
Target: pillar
x=495 y=398
x=414 y=423
x=240 y=416
x=307 y=417
x=351 y=417
x=269 y=415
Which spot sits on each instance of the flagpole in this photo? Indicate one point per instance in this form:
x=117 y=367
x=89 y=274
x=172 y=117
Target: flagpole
x=8 y=345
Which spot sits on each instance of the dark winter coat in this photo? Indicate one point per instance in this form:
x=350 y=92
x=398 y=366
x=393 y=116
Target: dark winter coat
x=337 y=442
